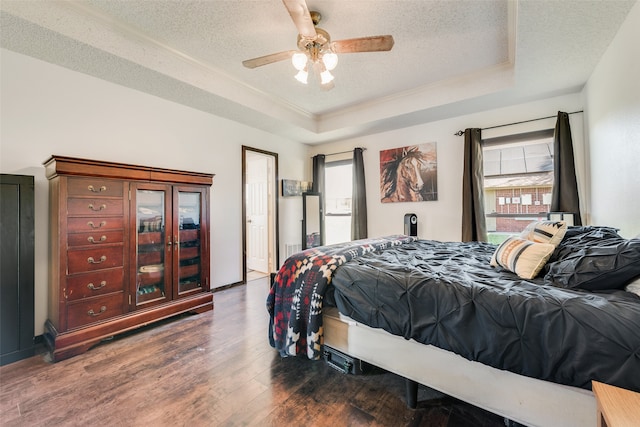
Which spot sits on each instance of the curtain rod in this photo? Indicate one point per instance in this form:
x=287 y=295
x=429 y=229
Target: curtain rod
x=345 y=152
x=461 y=132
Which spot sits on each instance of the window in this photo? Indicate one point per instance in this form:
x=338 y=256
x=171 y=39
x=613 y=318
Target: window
x=518 y=179
x=337 y=213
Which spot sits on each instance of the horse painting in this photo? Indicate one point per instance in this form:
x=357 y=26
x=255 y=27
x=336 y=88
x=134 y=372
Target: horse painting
x=408 y=174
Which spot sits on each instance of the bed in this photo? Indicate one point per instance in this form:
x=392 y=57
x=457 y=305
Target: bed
x=520 y=329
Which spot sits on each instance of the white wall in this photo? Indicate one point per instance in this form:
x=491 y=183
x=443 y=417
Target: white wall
x=612 y=98
x=47 y=109
x=441 y=219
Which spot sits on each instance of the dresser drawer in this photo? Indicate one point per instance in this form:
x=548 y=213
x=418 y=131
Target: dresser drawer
x=95 y=238
x=86 y=311
x=97 y=207
x=85 y=260
x=97 y=224
x=94 y=284
x=94 y=187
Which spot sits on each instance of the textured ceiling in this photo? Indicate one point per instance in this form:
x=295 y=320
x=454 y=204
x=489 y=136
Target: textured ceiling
x=449 y=58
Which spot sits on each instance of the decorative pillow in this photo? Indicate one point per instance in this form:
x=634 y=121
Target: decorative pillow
x=579 y=237
x=550 y=232
x=608 y=265
x=521 y=256
x=578 y=230
x=634 y=287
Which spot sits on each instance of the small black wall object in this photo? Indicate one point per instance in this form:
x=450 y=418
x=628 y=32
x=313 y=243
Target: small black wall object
x=411 y=224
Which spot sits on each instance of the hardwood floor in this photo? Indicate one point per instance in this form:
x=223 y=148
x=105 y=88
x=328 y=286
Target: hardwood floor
x=212 y=369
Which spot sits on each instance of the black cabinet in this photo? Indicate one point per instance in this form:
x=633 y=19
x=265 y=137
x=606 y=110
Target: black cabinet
x=16 y=268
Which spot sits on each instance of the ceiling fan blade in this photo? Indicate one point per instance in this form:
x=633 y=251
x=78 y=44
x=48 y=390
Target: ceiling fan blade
x=363 y=44
x=301 y=17
x=268 y=59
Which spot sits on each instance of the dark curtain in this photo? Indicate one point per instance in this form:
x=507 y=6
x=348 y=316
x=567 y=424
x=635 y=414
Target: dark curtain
x=358 y=198
x=318 y=174
x=474 y=227
x=318 y=187
x=564 y=196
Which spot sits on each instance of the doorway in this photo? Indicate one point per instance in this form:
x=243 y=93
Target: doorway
x=260 y=213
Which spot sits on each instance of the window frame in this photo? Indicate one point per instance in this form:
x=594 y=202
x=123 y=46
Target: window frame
x=494 y=233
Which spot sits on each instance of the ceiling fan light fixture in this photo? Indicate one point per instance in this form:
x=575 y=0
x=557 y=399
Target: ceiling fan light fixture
x=330 y=60
x=302 y=76
x=299 y=60
x=326 y=77
x=316 y=52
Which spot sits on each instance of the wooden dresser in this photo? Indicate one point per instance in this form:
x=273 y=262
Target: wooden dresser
x=129 y=245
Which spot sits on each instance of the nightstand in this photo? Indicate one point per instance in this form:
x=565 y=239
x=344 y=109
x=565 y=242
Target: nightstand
x=617 y=407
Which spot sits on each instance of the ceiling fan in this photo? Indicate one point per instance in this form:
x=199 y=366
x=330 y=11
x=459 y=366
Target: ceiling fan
x=316 y=50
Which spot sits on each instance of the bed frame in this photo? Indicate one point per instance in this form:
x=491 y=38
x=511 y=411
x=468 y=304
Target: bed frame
x=518 y=398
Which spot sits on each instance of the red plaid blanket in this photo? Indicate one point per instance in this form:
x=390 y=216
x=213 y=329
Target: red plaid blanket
x=295 y=299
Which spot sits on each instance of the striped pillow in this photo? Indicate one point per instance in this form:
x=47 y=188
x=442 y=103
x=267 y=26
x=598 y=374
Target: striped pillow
x=633 y=287
x=521 y=256
x=545 y=232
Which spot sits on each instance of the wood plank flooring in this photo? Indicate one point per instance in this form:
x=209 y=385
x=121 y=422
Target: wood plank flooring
x=212 y=369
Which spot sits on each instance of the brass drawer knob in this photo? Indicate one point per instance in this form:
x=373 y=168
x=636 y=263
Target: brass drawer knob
x=92 y=240
x=94 y=314
x=93 y=190
x=92 y=225
x=99 y=208
x=91 y=260
x=94 y=288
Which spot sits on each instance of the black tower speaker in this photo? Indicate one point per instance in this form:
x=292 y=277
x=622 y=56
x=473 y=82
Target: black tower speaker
x=411 y=224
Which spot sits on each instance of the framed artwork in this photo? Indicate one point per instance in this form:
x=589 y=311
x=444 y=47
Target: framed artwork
x=409 y=174
x=292 y=187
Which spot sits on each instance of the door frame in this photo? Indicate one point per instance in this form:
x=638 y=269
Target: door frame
x=275 y=246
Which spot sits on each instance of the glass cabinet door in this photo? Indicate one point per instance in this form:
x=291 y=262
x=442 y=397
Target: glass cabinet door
x=188 y=250
x=153 y=244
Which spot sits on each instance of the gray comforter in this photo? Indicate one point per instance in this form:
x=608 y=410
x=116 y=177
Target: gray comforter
x=446 y=294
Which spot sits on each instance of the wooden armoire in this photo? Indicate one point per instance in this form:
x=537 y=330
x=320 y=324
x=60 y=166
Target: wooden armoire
x=129 y=245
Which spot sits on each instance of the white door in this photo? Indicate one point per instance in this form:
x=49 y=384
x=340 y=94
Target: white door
x=257 y=170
